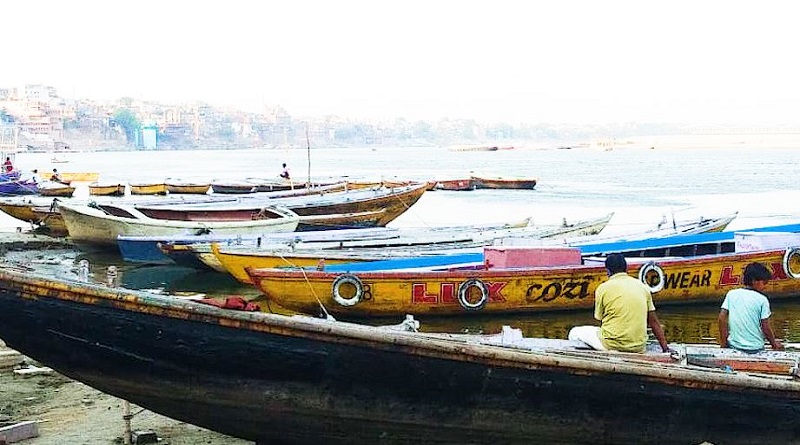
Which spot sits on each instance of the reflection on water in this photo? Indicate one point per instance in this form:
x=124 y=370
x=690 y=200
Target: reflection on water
x=685 y=324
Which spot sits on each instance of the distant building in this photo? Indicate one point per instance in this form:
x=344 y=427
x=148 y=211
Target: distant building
x=149 y=137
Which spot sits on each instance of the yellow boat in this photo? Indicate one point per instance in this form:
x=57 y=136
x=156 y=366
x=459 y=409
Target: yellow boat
x=526 y=289
x=75 y=176
x=148 y=188
x=99 y=189
x=187 y=188
x=235 y=261
x=41 y=212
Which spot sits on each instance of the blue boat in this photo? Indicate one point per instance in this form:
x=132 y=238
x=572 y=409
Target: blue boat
x=11 y=184
x=678 y=245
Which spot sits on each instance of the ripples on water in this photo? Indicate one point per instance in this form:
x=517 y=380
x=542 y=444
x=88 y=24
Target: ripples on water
x=638 y=185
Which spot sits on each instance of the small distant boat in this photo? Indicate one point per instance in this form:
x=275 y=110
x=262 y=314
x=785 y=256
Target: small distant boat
x=56 y=160
x=187 y=187
x=233 y=187
x=487 y=182
x=148 y=188
x=54 y=188
x=474 y=148
x=455 y=184
x=106 y=189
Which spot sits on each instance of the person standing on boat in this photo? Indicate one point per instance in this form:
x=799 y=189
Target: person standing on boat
x=625 y=309
x=744 y=318
x=8 y=166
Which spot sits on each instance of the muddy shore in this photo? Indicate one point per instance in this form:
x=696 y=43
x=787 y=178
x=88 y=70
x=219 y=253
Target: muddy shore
x=67 y=411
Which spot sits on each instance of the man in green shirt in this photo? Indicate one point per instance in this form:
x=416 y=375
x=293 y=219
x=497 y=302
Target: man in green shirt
x=625 y=309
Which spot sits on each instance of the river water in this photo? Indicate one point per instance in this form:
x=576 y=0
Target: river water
x=641 y=185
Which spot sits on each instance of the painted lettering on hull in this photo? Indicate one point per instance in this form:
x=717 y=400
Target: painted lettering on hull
x=546 y=293
x=729 y=278
x=687 y=280
x=447 y=293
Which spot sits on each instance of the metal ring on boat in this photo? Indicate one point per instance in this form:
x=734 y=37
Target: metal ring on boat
x=652 y=267
x=351 y=280
x=463 y=294
x=787 y=257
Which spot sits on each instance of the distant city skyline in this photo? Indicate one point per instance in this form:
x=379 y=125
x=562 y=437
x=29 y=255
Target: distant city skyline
x=572 y=62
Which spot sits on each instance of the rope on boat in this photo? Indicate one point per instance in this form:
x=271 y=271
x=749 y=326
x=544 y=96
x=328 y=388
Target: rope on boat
x=325 y=312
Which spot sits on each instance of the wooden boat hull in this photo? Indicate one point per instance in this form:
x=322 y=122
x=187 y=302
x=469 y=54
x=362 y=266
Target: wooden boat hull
x=308 y=381
x=357 y=208
x=94 y=226
x=75 y=176
x=65 y=191
x=701 y=279
x=503 y=183
x=37 y=213
x=455 y=185
x=188 y=189
x=233 y=188
x=107 y=189
x=394 y=204
x=337 y=221
x=235 y=262
x=148 y=189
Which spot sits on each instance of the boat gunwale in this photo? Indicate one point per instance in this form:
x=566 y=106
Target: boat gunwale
x=34 y=287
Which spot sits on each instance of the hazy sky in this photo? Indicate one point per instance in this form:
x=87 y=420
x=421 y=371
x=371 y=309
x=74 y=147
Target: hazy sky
x=553 y=61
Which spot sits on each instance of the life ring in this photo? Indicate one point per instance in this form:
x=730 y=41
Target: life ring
x=463 y=294
x=790 y=252
x=352 y=280
x=652 y=267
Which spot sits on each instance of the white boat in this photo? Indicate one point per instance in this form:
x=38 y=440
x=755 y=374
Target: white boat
x=102 y=225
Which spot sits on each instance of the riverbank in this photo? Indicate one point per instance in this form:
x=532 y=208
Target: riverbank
x=67 y=411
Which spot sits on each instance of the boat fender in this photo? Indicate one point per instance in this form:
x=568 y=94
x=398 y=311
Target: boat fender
x=351 y=280
x=787 y=258
x=463 y=294
x=651 y=266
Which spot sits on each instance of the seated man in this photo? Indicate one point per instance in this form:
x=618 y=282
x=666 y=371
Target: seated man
x=55 y=176
x=625 y=309
x=744 y=316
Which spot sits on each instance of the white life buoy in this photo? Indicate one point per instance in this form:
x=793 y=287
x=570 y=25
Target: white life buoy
x=787 y=257
x=352 y=280
x=652 y=267
x=463 y=294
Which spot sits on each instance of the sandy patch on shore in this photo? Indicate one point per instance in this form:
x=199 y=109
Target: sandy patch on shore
x=70 y=412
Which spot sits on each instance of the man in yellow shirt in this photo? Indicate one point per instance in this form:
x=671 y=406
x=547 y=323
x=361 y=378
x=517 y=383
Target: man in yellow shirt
x=625 y=309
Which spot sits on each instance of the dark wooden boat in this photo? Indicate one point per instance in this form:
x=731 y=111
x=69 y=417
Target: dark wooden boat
x=276 y=379
x=354 y=208
x=233 y=187
x=485 y=182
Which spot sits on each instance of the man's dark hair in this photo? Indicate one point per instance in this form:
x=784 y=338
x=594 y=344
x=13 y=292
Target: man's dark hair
x=615 y=263
x=756 y=272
